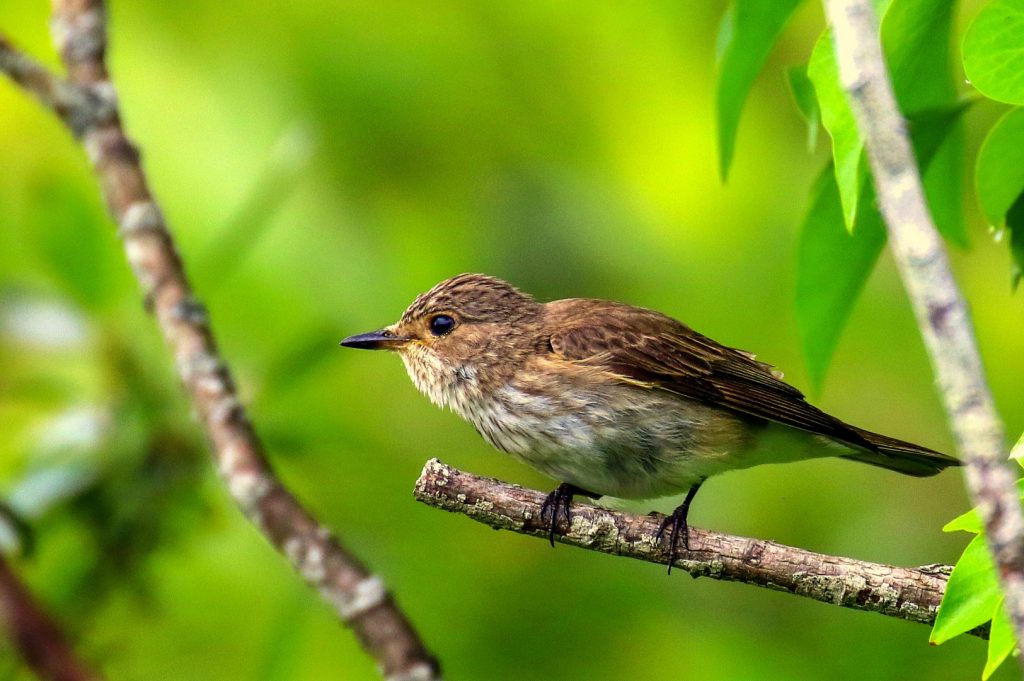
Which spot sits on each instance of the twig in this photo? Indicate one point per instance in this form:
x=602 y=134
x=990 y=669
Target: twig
x=940 y=309
x=37 y=637
x=68 y=101
x=907 y=593
x=87 y=102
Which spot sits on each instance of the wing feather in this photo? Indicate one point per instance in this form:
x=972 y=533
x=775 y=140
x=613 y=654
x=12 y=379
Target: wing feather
x=646 y=346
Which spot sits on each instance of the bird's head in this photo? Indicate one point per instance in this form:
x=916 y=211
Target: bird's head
x=460 y=337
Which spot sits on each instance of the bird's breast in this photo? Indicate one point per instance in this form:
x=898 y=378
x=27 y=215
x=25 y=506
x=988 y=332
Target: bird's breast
x=622 y=442
x=618 y=440
x=528 y=424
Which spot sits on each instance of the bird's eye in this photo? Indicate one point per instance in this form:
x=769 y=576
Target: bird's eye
x=441 y=324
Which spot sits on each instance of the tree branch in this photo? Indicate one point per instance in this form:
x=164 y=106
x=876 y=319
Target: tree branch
x=65 y=99
x=37 y=637
x=87 y=103
x=938 y=305
x=911 y=594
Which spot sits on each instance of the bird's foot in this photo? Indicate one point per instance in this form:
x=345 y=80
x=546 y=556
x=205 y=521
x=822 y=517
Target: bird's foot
x=680 y=528
x=560 y=500
x=677 y=519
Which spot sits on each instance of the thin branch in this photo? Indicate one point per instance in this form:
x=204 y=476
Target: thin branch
x=78 y=107
x=940 y=309
x=38 y=638
x=911 y=594
x=360 y=598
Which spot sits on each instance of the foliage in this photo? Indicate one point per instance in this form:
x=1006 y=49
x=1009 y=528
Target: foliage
x=834 y=264
x=748 y=31
x=320 y=164
x=993 y=50
x=973 y=598
x=999 y=181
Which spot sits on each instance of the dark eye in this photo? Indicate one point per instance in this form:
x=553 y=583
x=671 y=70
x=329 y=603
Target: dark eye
x=441 y=324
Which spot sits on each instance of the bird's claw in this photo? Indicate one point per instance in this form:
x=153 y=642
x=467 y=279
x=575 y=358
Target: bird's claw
x=677 y=519
x=679 y=527
x=559 y=499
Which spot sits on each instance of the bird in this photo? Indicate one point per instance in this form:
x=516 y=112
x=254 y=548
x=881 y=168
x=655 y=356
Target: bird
x=615 y=400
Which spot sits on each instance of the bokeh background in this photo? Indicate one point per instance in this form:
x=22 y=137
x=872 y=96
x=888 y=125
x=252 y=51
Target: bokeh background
x=323 y=162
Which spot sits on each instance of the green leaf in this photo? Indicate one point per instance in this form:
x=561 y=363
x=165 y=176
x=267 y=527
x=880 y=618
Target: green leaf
x=1017 y=453
x=1015 y=224
x=993 y=50
x=971 y=521
x=999 y=173
x=833 y=264
x=748 y=31
x=971 y=594
x=930 y=129
x=916 y=38
x=802 y=89
x=916 y=35
x=1001 y=641
x=837 y=117
x=999 y=182
x=966 y=522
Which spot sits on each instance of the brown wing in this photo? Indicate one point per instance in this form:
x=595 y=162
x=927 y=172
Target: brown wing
x=643 y=345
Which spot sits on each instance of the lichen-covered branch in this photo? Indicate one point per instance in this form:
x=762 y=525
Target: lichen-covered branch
x=68 y=101
x=38 y=638
x=907 y=593
x=87 y=102
x=938 y=305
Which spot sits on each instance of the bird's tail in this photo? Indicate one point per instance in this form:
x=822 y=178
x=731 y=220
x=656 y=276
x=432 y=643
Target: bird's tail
x=900 y=456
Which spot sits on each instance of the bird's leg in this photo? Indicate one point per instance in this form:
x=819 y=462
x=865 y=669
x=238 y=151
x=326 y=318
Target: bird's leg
x=679 y=527
x=561 y=499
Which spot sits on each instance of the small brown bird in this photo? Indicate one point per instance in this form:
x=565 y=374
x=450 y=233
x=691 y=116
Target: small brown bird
x=613 y=399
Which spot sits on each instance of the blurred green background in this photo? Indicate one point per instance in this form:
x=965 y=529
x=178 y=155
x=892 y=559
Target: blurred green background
x=323 y=162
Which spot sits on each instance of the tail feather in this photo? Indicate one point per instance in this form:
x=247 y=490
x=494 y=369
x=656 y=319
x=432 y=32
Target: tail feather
x=902 y=457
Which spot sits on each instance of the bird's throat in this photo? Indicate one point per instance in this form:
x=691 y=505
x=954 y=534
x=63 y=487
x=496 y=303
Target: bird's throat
x=448 y=385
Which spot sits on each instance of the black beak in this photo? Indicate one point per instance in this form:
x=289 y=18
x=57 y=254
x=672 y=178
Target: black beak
x=375 y=340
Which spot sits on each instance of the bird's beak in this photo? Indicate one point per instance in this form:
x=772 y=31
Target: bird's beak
x=375 y=340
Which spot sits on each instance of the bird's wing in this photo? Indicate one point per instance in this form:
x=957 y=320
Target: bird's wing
x=644 y=346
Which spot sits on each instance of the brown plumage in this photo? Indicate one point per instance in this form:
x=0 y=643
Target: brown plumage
x=613 y=399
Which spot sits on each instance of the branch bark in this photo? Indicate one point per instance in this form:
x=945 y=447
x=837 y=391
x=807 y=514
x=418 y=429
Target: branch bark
x=38 y=638
x=87 y=102
x=911 y=594
x=938 y=304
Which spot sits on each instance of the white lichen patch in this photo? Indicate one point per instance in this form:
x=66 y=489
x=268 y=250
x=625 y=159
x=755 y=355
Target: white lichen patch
x=367 y=594
x=292 y=549
x=93 y=145
x=713 y=568
x=229 y=457
x=312 y=567
x=418 y=672
x=197 y=365
x=225 y=410
x=589 y=532
x=481 y=506
x=137 y=253
x=646 y=544
x=211 y=384
x=821 y=587
x=140 y=216
x=246 y=487
x=249 y=487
